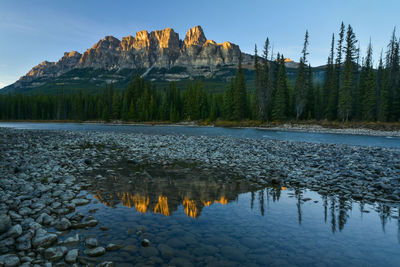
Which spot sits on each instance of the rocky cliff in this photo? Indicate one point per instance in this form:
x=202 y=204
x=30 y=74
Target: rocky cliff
x=157 y=49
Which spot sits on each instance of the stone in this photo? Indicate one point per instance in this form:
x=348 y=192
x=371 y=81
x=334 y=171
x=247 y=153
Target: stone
x=43 y=239
x=105 y=264
x=15 y=231
x=5 y=223
x=145 y=242
x=80 y=201
x=91 y=242
x=112 y=247
x=72 y=240
x=72 y=256
x=88 y=161
x=9 y=260
x=95 y=252
x=6 y=245
x=55 y=253
x=62 y=224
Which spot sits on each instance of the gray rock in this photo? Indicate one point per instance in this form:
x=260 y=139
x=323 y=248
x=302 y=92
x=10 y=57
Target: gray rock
x=106 y=264
x=9 y=260
x=15 y=231
x=5 y=223
x=6 y=245
x=91 y=242
x=72 y=256
x=145 y=242
x=55 y=253
x=43 y=239
x=62 y=224
x=80 y=201
x=95 y=252
x=44 y=219
x=73 y=240
x=112 y=247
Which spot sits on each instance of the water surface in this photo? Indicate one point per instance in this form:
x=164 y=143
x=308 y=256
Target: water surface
x=202 y=218
x=348 y=139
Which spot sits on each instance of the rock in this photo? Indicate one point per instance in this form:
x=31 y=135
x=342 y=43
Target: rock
x=43 y=239
x=95 y=252
x=112 y=247
x=5 y=223
x=55 y=253
x=196 y=55
x=6 y=245
x=72 y=240
x=105 y=264
x=44 y=219
x=91 y=242
x=80 y=201
x=145 y=242
x=9 y=260
x=72 y=256
x=62 y=224
x=88 y=161
x=15 y=231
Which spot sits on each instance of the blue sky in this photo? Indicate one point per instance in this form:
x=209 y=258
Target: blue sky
x=36 y=30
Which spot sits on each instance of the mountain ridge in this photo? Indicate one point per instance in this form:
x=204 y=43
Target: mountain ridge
x=161 y=49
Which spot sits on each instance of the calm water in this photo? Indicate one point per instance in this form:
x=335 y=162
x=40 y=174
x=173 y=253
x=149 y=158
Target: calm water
x=358 y=140
x=200 y=218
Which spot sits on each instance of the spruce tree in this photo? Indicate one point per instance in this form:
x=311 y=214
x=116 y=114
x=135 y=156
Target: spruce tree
x=300 y=88
x=279 y=111
x=347 y=86
x=260 y=90
x=239 y=94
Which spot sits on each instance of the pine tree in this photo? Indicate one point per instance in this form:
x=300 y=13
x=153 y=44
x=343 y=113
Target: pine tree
x=368 y=88
x=267 y=83
x=116 y=103
x=329 y=99
x=300 y=88
x=347 y=86
x=239 y=94
x=260 y=89
x=280 y=109
x=228 y=101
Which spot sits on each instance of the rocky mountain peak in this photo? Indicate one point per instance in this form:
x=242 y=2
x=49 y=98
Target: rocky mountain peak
x=195 y=36
x=166 y=38
x=108 y=42
x=157 y=49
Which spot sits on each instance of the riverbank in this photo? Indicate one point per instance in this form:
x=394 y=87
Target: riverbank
x=354 y=128
x=43 y=175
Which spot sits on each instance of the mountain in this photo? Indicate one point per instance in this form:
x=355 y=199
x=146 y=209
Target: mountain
x=159 y=55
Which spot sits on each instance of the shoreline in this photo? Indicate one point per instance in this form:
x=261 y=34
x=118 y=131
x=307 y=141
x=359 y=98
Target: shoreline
x=44 y=175
x=353 y=129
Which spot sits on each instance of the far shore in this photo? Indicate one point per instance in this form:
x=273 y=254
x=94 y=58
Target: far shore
x=356 y=128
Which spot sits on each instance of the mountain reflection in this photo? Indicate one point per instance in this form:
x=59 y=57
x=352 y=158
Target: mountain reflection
x=164 y=191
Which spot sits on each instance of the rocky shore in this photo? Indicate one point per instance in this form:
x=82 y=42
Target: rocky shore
x=43 y=173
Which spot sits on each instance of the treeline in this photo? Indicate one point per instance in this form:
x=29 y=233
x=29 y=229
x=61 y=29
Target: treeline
x=353 y=90
x=139 y=101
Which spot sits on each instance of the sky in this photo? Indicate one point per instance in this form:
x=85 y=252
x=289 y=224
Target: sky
x=32 y=31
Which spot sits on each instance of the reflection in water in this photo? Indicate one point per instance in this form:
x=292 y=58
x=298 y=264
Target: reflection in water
x=164 y=191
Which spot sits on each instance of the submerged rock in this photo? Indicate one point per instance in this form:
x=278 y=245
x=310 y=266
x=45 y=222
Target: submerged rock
x=95 y=252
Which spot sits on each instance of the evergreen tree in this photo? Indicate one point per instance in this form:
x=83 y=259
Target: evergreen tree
x=347 y=86
x=116 y=106
x=260 y=90
x=300 y=88
x=239 y=94
x=280 y=109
